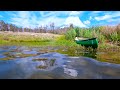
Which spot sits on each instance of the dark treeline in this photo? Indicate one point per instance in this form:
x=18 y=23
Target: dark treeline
x=10 y=27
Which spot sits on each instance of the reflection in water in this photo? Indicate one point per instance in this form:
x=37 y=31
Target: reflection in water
x=70 y=72
x=43 y=65
x=24 y=62
x=90 y=54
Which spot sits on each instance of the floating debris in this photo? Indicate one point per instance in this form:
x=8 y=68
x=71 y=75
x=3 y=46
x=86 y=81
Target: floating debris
x=6 y=58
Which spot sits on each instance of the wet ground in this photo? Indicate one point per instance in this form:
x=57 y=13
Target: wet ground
x=57 y=63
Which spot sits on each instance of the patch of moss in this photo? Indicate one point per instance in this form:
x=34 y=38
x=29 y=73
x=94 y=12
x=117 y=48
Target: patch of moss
x=40 y=59
x=6 y=58
x=18 y=55
x=27 y=55
x=41 y=67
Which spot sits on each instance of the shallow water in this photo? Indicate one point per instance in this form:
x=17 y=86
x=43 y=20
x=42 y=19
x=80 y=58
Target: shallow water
x=18 y=62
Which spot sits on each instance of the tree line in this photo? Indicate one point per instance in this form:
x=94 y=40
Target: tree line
x=10 y=27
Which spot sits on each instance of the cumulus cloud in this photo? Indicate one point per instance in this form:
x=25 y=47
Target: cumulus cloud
x=87 y=22
x=35 y=19
x=30 y=20
x=75 y=21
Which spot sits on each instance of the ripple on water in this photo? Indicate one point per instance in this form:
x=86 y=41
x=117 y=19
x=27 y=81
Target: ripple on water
x=55 y=66
x=2 y=56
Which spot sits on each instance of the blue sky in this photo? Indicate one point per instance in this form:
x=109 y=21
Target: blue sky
x=34 y=19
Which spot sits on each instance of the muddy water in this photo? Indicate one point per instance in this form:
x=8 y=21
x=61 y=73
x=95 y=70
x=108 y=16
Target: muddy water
x=57 y=63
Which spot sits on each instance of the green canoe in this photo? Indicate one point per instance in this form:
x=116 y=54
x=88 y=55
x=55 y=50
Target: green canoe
x=92 y=42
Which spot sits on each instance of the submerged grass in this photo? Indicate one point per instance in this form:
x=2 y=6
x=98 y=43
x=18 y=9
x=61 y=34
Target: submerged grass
x=35 y=41
x=61 y=42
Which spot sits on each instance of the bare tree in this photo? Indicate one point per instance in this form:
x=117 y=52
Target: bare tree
x=2 y=25
x=22 y=29
x=52 y=25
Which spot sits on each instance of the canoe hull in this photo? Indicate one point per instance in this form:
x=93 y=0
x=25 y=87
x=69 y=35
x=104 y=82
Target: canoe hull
x=93 y=42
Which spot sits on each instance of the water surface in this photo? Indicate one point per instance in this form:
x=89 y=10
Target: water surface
x=18 y=62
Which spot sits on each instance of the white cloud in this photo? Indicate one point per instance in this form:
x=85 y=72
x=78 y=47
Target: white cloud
x=75 y=21
x=21 y=18
x=60 y=18
x=108 y=16
x=90 y=18
x=53 y=19
x=29 y=18
x=114 y=20
x=87 y=22
x=74 y=13
x=117 y=14
x=96 y=12
x=102 y=17
x=54 y=13
x=47 y=13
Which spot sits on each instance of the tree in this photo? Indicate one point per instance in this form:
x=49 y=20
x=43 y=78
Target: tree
x=22 y=29
x=52 y=26
x=71 y=25
x=8 y=27
x=2 y=25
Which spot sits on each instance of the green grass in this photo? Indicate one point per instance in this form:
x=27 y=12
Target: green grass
x=62 y=41
x=70 y=34
x=59 y=41
x=35 y=41
x=103 y=34
x=67 y=40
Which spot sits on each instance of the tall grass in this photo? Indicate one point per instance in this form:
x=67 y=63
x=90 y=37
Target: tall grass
x=27 y=40
x=112 y=33
x=70 y=34
x=62 y=41
x=102 y=33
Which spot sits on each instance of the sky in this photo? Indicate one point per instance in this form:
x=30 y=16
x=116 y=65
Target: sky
x=33 y=19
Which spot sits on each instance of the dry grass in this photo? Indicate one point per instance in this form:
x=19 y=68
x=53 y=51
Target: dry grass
x=108 y=30
x=44 y=35
x=27 y=36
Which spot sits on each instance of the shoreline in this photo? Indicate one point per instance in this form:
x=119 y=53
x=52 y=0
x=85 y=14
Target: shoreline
x=44 y=39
